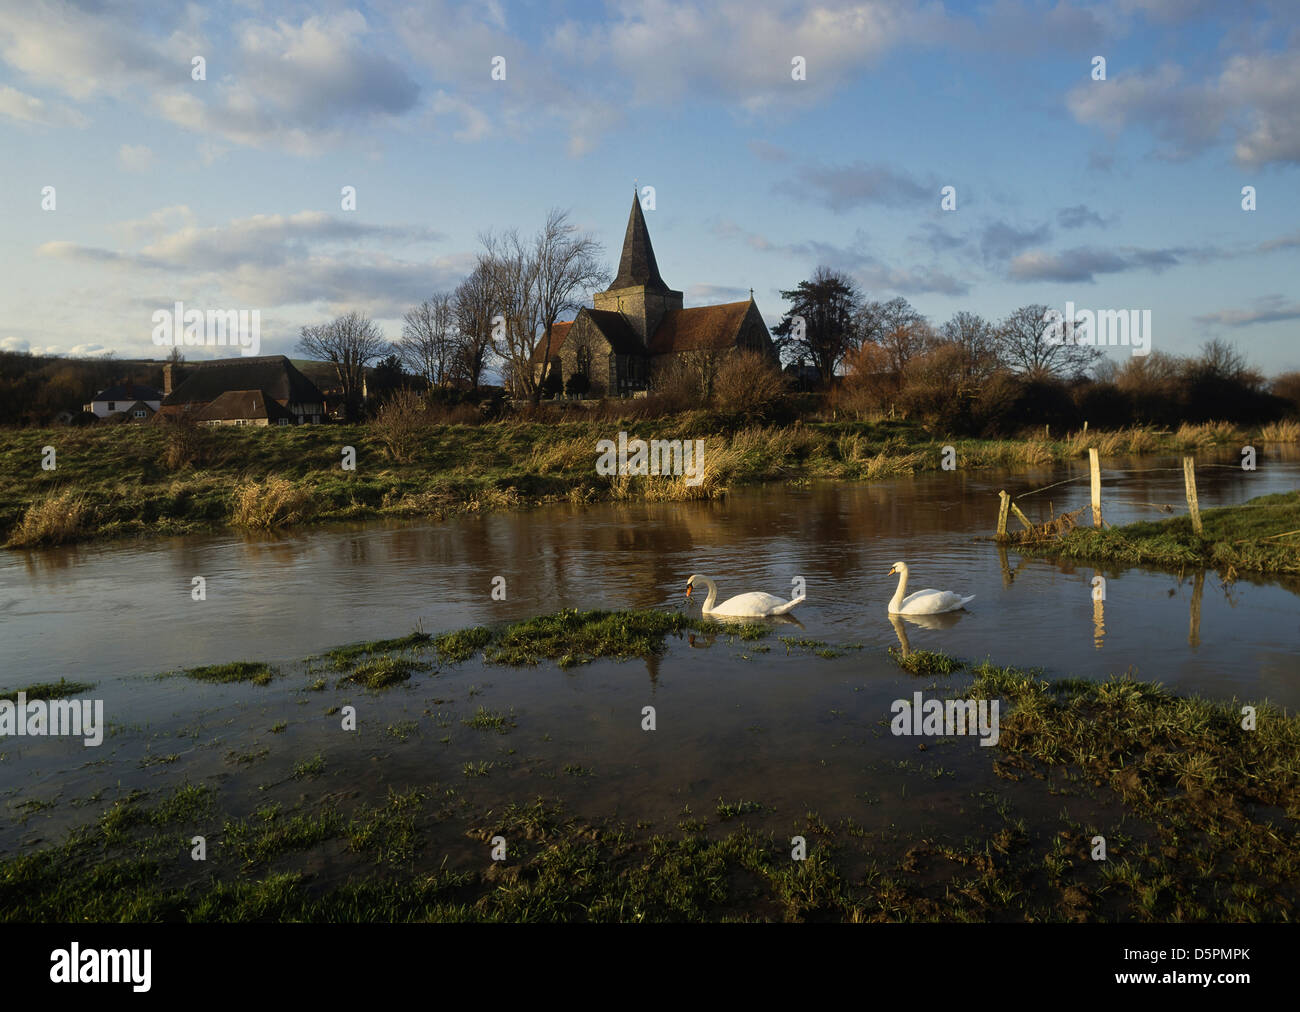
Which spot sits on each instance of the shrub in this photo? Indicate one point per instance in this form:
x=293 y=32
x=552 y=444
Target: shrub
x=676 y=385
x=577 y=385
x=747 y=383
x=187 y=443
x=400 y=423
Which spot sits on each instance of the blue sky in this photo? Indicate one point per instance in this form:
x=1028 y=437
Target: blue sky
x=225 y=193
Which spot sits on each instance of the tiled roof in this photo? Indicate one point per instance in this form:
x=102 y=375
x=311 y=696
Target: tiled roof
x=559 y=331
x=274 y=374
x=704 y=327
x=249 y=404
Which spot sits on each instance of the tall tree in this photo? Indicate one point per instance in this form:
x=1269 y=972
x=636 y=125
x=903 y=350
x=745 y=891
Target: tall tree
x=1027 y=342
x=349 y=343
x=973 y=334
x=473 y=306
x=820 y=321
x=430 y=339
x=566 y=268
x=507 y=265
x=898 y=329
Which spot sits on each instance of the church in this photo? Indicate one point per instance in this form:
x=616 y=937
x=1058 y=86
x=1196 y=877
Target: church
x=638 y=323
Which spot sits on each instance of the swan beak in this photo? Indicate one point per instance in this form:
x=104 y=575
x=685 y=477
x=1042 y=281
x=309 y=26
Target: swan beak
x=689 y=588
x=890 y=573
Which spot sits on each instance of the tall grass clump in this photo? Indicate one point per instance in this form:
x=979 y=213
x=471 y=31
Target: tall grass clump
x=272 y=503
x=1280 y=432
x=56 y=519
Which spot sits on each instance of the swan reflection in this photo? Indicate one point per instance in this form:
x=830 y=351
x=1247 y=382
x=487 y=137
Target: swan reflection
x=946 y=620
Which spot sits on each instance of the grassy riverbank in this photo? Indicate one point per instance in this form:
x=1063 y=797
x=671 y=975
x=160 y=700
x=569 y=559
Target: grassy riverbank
x=1261 y=536
x=1198 y=815
x=122 y=481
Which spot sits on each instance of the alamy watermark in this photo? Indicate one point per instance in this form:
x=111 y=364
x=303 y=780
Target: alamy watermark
x=217 y=328
x=83 y=718
x=1117 y=328
x=946 y=717
x=681 y=457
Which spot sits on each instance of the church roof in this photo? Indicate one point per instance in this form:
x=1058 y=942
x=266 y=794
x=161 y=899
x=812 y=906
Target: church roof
x=701 y=328
x=609 y=324
x=616 y=330
x=559 y=331
x=637 y=265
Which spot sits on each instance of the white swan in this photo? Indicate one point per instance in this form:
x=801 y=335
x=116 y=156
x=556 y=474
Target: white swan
x=923 y=602
x=755 y=604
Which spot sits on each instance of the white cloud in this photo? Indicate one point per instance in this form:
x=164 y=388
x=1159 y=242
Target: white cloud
x=1256 y=99
x=23 y=108
x=135 y=157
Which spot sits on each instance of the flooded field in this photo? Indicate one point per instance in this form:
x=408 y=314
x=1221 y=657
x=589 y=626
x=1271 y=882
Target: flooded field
x=784 y=733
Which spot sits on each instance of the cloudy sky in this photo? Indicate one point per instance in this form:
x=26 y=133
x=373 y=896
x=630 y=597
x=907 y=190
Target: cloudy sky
x=225 y=192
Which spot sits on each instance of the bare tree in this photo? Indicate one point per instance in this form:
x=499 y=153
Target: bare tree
x=473 y=305
x=898 y=329
x=1030 y=343
x=349 y=343
x=507 y=265
x=566 y=268
x=430 y=339
x=974 y=336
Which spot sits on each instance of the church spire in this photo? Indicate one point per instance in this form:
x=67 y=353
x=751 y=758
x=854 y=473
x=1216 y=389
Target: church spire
x=637 y=264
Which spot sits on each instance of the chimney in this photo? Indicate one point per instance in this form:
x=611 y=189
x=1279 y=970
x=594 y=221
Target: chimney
x=167 y=379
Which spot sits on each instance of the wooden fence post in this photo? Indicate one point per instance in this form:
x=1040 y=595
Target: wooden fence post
x=1095 y=466
x=1021 y=517
x=1002 y=515
x=1193 y=504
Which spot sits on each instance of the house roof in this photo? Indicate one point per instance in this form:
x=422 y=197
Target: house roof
x=128 y=392
x=637 y=265
x=273 y=374
x=247 y=404
x=559 y=331
x=701 y=328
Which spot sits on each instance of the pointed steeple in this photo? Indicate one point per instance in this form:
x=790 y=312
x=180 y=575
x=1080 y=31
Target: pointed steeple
x=637 y=264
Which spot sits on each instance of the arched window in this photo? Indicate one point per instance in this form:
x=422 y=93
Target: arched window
x=584 y=361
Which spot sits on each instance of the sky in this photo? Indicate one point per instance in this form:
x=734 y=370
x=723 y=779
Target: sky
x=223 y=190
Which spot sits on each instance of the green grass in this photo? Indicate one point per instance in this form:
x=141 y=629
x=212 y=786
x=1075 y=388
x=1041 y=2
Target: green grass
x=461 y=645
x=257 y=672
x=1202 y=838
x=571 y=637
x=487 y=720
x=925 y=662
x=345 y=657
x=1233 y=539
x=384 y=672
x=61 y=689
x=116 y=481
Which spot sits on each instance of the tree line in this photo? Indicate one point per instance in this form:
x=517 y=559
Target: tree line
x=503 y=313
x=972 y=374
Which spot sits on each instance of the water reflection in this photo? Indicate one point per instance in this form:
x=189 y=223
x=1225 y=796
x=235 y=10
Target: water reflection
x=944 y=620
x=63 y=612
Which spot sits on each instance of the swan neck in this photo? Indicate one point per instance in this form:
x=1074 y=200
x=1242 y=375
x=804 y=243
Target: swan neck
x=900 y=592
x=712 y=595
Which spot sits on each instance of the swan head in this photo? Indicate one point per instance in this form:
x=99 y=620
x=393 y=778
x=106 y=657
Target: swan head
x=690 y=585
x=899 y=567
